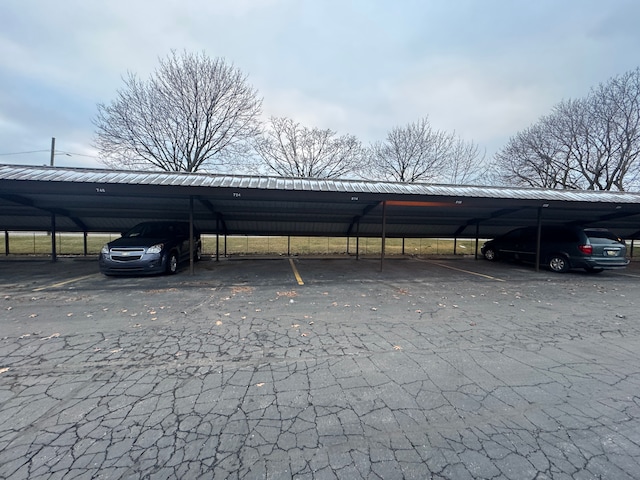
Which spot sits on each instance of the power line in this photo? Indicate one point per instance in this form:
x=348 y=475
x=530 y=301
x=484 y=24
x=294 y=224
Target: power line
x=56 y=152
x=21 y=153
x=77 y=154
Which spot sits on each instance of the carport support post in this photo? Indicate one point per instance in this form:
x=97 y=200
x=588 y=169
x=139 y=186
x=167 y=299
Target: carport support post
x=218 y=238
x=191 y=245
x=477 y=239
x=538 y=236
x=6 y=242
x=384 y=233
x=84 y=239
x=358 y=240
x=53 y=237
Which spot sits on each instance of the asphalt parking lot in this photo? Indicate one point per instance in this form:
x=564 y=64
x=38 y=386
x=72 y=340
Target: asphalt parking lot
x=319 y=368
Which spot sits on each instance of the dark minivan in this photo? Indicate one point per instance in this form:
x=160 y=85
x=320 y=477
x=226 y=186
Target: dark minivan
x=149 y=248
x=561 y=248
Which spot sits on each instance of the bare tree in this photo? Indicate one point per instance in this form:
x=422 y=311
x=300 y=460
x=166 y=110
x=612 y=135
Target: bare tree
x=417 y=152
x=290 y=149
x=536 y=157
x=193 y=112
x=464 y=166
x=591 y=143
x=615 y=109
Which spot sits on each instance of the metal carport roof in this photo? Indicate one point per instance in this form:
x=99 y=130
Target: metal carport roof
x=97 y=200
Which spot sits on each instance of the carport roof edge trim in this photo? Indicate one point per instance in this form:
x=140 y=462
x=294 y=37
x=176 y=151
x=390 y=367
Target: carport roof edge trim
x=200 y=180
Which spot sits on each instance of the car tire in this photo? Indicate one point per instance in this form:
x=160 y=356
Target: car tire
x=490 y=254
x=172 y=263
x=558 y=264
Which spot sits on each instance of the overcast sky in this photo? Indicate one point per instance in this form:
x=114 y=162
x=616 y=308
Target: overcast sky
x=482 y=68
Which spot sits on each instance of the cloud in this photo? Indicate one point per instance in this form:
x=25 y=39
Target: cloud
x=470 y=99
x=11 y=126
x=483 y=69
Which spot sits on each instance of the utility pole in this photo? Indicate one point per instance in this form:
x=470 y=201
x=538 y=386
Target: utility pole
x=53 y=149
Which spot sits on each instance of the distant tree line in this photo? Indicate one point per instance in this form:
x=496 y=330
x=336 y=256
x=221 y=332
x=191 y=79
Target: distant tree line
x=197 y=113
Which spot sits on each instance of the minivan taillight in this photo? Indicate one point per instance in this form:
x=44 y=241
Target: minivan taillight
x=586 y=249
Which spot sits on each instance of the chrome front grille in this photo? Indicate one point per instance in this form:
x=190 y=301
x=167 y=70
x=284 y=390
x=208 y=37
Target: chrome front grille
x=126 y=254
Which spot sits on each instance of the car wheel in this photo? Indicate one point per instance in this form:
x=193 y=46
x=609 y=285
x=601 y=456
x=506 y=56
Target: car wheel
x=490 y=254
x=558 y=264
x=172 y=263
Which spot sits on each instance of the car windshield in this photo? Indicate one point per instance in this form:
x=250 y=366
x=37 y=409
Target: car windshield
x=150 y=230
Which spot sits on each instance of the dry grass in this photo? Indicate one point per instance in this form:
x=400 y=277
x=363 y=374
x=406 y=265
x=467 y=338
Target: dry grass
x=73 y=244
x=333 y=245
x=66 y=243
x=21 y=243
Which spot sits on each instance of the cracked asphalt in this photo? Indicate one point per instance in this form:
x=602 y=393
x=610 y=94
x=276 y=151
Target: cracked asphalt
x=447 y=368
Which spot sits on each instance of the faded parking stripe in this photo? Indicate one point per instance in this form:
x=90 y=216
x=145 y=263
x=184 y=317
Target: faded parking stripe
x=60 y=284
x=464 y=271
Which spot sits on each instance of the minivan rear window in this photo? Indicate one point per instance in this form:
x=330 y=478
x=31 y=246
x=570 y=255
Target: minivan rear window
x=601 y=236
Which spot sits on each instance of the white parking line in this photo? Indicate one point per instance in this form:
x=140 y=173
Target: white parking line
x=626 y=275
x=464 y=271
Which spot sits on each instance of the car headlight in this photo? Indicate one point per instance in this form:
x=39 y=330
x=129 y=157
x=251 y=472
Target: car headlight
x=105 y=250
x=157 y=248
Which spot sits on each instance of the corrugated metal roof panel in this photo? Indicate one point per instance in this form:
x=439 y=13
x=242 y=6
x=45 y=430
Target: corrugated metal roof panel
x=58 y=174
x=271 y=204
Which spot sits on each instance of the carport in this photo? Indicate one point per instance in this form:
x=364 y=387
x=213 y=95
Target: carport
x=57 y=199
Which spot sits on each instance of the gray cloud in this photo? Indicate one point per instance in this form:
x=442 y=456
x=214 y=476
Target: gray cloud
x=483 y=69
